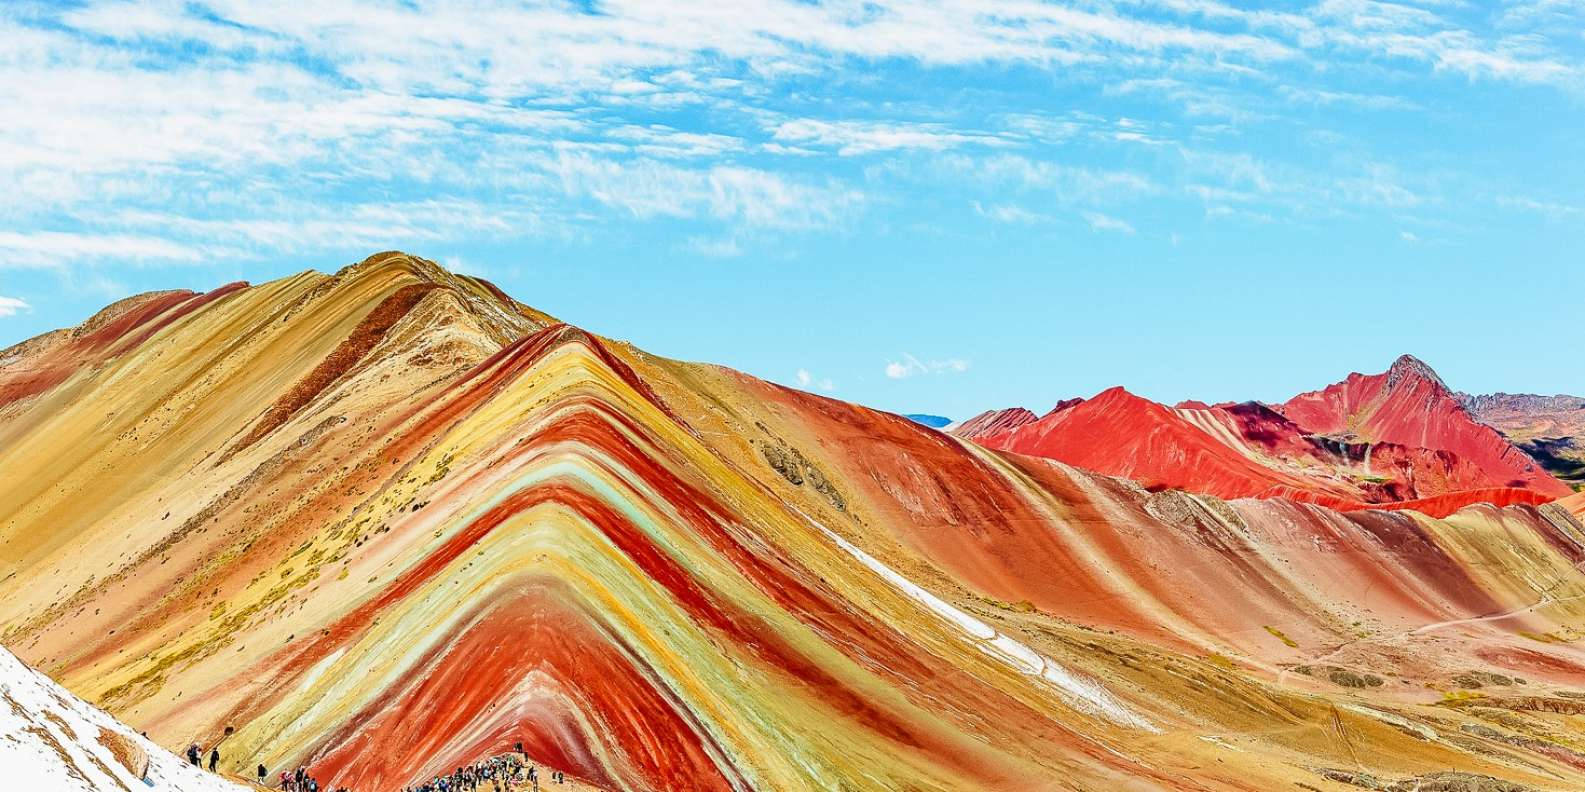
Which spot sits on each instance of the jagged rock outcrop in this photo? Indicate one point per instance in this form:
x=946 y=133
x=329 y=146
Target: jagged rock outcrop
x=1551 y=429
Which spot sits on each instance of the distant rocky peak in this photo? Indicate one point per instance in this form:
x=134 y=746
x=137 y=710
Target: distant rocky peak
x=993 y=421
x=1482 y=403
x=1408 y=368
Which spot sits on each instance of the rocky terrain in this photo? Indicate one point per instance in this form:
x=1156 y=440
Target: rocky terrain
x=1551 y=429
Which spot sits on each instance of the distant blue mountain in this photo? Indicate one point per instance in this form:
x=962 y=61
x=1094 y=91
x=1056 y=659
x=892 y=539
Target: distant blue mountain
x=932 y=421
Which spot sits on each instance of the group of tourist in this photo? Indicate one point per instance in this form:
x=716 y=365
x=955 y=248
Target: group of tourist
x=298 y=780
x=195 y=755
x=505 y=773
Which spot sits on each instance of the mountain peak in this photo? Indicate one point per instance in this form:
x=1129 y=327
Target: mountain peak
x=1119 y=397
x=1409 y=367
x=421 y=269
x=993 y=421
x=1116 y=392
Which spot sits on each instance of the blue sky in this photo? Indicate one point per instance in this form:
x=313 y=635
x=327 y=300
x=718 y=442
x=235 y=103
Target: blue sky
x=934 y=207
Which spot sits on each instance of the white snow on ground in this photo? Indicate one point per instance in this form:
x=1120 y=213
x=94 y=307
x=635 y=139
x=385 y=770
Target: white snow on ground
x=50 y=742
x=1081 y=693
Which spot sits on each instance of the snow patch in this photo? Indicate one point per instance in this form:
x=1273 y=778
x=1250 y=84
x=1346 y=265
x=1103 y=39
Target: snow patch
x=50 y=740
x=1081 y=693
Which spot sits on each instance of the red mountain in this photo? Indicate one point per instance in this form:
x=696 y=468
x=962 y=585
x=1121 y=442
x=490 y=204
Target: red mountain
x=1121 y=434
x=993 y=422
x=1394 y=440
x=1410 y=405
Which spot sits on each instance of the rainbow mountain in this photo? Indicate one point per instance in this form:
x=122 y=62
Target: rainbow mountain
x=384 y=522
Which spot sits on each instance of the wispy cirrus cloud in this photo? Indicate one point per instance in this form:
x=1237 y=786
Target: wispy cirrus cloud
x=1552 y=210
x=851 y=138
x=54 y=249
x=1008 y=213
x=1105 y=222
x=751 y=196
x=1068 y=182
x=715 y=247
x=911 y=366
x=178 y=132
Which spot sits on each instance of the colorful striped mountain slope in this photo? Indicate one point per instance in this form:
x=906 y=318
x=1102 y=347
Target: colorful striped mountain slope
x=384 y=522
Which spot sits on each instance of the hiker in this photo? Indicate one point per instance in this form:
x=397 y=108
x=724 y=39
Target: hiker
x=214 y=758
x=192 y=754
x=262 y=774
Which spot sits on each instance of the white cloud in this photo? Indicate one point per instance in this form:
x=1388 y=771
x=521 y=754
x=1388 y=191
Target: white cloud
x=794 y=151
x=1379 y=185
x=851 y=138
x=1552 y=210
x=1317 y=96
x=1546 y=13
x=11 y=306
x=1048 y=129
x=463 y=266
x=661 y=141
x=1008 y=213
x=164 y=22
x=1233 y=170
x=1218 y=211
x=1101 y=222
x=715 y=248
x=1503 y=64
x=1065 y=184
x=646 y=188
x=1249 y=186
x=807 y=380
x=54 y=249
x=506 y=47
x=299 y=226
x=911 y=366
x=169 y=131
x=96 y=284
x=1408 y=236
